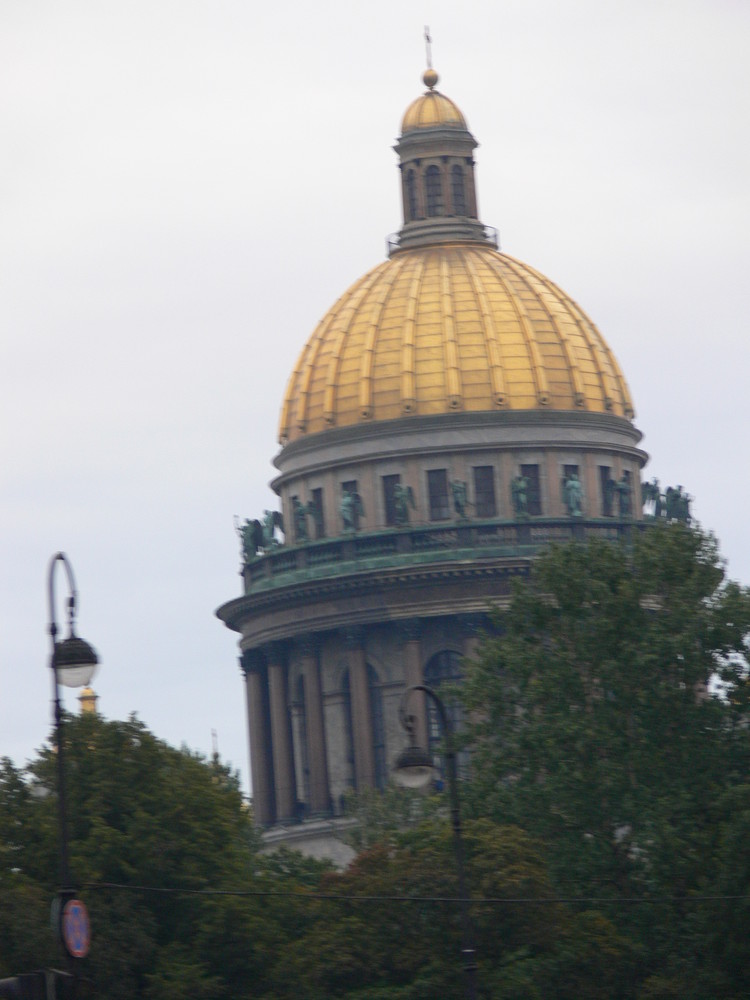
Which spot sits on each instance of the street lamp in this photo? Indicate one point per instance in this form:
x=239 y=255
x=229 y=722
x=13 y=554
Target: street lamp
x=73 y=663
x=415 y=768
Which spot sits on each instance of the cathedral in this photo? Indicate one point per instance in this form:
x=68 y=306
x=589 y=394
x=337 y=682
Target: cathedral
x=453 y=412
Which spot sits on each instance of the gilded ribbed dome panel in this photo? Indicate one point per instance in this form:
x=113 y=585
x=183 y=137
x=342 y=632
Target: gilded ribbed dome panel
x=430 y=110
x=446 y=329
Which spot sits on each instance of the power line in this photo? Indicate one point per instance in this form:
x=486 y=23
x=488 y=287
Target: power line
x=474 y=901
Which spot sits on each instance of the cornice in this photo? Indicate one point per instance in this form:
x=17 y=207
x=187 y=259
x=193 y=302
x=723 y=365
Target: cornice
x=363 y=583
x=437 y=426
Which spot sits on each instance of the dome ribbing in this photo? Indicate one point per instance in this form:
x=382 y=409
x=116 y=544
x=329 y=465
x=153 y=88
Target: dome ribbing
x=432 y=109
x=446 y=329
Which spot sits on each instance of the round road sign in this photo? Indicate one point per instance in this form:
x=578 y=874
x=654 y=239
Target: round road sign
x=76 y=929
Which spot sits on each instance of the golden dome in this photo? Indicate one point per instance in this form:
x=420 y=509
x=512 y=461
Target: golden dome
x=450 y=328
x=431 y=109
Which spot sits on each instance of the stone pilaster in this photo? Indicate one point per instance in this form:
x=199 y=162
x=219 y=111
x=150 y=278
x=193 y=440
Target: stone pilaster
x=320 y=796
x=364 y=753
x=256 y=691
x=281 y=734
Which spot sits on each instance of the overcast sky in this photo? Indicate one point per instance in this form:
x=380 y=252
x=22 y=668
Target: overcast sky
x=186 y=187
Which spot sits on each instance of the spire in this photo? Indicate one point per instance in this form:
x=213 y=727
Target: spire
x=429 y=77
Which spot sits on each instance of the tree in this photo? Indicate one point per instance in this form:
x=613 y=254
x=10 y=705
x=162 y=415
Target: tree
x=597 y=729
x=389 y=927
x=166 y=855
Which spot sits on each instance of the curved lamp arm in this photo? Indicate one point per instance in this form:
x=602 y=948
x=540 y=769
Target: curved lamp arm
x=73 y=660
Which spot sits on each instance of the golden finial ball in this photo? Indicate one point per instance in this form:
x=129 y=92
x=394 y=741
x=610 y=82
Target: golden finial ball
x=430 y=78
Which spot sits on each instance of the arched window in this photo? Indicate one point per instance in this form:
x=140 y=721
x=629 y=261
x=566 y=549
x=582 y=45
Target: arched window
x=411 y=195
x=434 y=187
x=378 y=727
x=443 y=669
x=458 y=190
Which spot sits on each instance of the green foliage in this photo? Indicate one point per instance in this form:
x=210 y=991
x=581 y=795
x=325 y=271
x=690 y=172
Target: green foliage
x=389 y=927
x=382 y=816
x=604 y=773
x=141 y=814
x=596 y=732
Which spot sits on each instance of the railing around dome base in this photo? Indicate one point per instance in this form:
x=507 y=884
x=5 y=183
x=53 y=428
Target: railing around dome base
x=393 y=241
x=411 y=545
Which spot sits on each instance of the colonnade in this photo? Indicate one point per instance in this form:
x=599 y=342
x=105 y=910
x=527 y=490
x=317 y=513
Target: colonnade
x=276 y=732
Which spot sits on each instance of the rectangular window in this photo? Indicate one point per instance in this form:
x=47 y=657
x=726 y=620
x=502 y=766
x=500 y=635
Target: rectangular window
x=316 y=510
x=389 y=499
x=434 y=187
x=534 y=494
x=437 y=491
x=484 y=491
x=606 y=490
x=457 y=187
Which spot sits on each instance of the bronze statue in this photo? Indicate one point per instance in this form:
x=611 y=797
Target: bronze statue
x=251 y=537
x=624 y=491
x=519 y=492
x=651 y=494
x=403 y=498
x=300 y=512
x=460 y=502
x=351 y=509
x=685 y=501
x=272 y=520
x=573 y=493
x=678 y=505
x=257 y=537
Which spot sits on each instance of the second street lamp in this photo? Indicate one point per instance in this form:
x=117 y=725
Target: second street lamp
x=415 y=768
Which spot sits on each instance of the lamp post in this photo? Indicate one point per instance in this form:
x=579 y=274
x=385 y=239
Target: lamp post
x=415 y=768
x=73 y=663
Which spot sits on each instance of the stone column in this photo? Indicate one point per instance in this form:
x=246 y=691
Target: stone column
x=364 y=753
x=590 y=480
x=404 y=194
x=320 y=796
x=413 y=674
x=252 y=666
x=281 y=735
x=299 y=749
x=471 y=191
